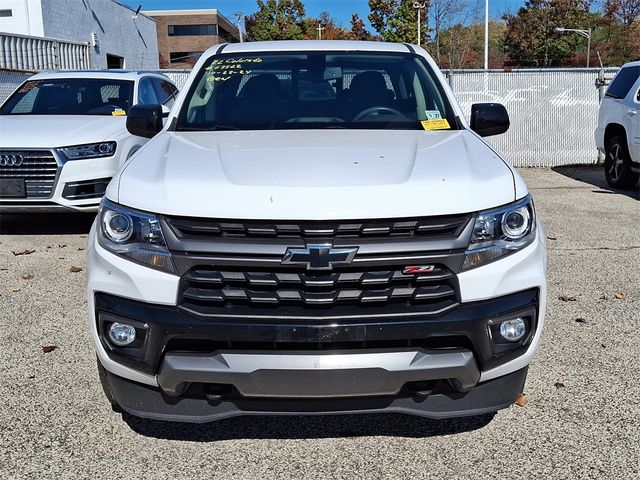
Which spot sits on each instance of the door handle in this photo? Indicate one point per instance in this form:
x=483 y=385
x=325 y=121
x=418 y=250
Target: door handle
x=632 y=112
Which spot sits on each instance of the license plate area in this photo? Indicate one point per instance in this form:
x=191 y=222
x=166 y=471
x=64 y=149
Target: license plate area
x=12 y=187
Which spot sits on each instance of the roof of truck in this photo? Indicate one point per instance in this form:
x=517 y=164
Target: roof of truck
x=311 y=45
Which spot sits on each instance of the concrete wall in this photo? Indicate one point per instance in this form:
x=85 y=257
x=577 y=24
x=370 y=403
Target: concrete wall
x=118 y=33
x=25 y=19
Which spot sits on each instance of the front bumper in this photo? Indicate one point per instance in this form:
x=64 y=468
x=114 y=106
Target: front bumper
x=79 y=186
x=192 y=368
x=150 y=402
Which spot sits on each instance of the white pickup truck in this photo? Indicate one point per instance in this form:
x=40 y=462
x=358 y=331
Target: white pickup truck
x=63 y=136
x=316 y=229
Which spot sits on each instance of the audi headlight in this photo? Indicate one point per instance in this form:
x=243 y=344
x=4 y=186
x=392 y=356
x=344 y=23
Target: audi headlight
x=501 y=231
x=90 y=150
x=134 y=235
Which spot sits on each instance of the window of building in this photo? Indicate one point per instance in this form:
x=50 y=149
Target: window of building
x=202 y=29
x=184 y=57
x=6 y=12
x=114 y=62
x=226 y=35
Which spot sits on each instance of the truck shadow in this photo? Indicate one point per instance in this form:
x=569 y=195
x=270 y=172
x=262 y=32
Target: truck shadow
x=305 y=427
x=45 y=223
x=594 y=175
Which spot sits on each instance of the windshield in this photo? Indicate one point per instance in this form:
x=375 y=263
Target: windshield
x=70 y=96
x=285 y=90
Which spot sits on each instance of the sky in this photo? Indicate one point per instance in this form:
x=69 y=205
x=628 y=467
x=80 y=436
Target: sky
x=340 y=10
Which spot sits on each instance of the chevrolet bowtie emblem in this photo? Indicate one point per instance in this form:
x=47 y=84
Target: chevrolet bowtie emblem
x=319 y=256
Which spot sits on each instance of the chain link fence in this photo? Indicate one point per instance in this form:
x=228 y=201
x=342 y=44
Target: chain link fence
x=553 y=111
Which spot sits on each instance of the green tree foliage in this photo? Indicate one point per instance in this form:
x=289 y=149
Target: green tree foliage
x=532 y=41
x=358 y=30
x=396 y=20
x=463 y=46
x=277 y=20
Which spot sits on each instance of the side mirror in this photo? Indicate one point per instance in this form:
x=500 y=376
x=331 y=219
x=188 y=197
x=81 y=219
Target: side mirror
x=144 y=120
x=489 y=119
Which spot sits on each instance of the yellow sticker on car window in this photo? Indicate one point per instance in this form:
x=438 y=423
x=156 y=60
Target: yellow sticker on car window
x=118 y=113
x=441 y=124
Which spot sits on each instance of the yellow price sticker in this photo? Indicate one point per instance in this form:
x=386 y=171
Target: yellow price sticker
x=441 y=124
x=118 y=113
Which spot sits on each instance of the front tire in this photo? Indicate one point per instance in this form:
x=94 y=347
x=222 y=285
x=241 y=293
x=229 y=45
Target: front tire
x=617 y=164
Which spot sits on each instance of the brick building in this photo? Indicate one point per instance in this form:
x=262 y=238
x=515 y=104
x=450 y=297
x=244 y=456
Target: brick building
x=184 y=34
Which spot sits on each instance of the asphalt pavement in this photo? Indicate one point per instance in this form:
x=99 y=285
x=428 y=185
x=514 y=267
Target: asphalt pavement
x=581 y=419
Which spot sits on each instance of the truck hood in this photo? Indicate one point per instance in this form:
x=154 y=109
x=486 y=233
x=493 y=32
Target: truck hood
x=52 y=131
x=314 y=175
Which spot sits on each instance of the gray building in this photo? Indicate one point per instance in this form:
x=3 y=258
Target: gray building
x=117 y=37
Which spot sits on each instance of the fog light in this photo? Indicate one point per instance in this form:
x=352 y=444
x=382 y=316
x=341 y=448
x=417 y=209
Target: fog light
x=121 y=334
x=513 y=330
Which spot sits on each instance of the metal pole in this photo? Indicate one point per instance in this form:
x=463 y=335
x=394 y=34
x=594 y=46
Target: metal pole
x=588 y=48
x=240 y=16
x=419 y=6
x=486 y=34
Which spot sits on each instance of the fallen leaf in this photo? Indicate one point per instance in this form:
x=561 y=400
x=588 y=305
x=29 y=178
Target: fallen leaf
x=604 y=296
x=49 y=247
x=49 y=348
x=80 y=249
x=62 y=245
x=24 y=252
x=581 y=320
x=620 y=295
x=83 y=236
x=28 y=276
x=572 y=253
x=60 y=258
x=603 y=345
x=567 y=298
x=558 y=385
x=31 y=376
x=15 y=290
x=552 y=238
x=75 y=269
x=521 y=400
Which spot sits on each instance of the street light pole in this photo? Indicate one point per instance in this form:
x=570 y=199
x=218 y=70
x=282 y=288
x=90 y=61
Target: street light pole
x=486 y=34
x=584 y=33
x=419 y=7
x=239 y=16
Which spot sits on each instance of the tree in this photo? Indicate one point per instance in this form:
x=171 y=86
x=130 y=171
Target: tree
x=358 y=30
x=276 y=20
x=442 y=14
x=330 y=29
x=531 y=39
x=618 y=36
x=396 y=20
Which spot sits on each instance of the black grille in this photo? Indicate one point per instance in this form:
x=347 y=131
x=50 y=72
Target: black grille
x=38 y=170
x=441 y=227
x=204 y=288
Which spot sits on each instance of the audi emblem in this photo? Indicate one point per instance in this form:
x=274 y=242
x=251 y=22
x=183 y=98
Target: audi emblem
x=7 y=160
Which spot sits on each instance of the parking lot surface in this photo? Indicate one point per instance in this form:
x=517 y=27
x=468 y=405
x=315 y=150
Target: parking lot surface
x=581 y=419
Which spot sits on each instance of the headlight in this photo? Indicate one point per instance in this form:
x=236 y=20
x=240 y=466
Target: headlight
x=90 y=150
x=134 y=235
x=500 y=232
